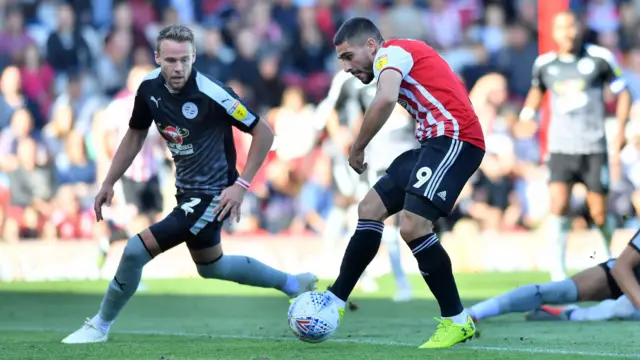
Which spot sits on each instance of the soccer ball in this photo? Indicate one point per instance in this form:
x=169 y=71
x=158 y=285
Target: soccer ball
x=313 y=317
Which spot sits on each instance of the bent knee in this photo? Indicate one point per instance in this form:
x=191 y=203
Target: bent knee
x=558 y=292
x=413 y=226
x=215 y=269
x=372 y=207
x=135 y=252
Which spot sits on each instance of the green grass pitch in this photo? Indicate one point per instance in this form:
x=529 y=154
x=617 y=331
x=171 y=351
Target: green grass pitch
x=201 y=319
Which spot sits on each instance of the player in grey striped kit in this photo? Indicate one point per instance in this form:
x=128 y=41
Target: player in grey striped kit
x=576 y=77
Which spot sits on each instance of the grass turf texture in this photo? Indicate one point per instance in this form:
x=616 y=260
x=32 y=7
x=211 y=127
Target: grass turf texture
x=200 y=319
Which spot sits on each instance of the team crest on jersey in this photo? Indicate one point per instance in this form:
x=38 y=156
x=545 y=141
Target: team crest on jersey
x=189 y=110
x=238 y=111
x=586 y=66
x=382 y=62
x=173 y=135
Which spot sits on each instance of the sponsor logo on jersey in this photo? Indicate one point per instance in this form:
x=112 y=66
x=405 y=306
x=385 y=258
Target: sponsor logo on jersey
x=381 y=62
x=172 y=134
x=238 y=111
x=570 y=86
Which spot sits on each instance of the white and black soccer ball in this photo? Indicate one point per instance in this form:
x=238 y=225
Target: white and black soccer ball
x=313 y=317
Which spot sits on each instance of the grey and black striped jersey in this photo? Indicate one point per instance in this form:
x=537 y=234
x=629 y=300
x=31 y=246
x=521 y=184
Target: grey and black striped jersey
x=196 y=124
x=576 y=85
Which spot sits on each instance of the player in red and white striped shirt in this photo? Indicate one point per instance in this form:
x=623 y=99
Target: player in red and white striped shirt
x=423 y=184
x=139 y=188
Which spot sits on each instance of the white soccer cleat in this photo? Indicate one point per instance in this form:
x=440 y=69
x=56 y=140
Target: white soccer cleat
x=403 y=295
x=306 y=282
x=88 y=333
x=369 y=285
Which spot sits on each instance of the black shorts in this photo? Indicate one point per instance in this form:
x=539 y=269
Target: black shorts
x=607 y=266
x=590 y=169
x=146 y=196
x=427 y=181
x=191 y=221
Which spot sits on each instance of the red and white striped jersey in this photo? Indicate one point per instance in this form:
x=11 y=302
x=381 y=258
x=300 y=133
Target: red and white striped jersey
x=430 y=91
x=146 y=163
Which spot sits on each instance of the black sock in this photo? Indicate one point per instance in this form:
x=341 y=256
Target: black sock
x=435 y=266
x=362 y=248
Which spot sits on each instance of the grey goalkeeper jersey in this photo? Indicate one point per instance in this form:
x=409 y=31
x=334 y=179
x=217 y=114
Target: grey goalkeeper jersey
x=576 y=85
x=196 y=124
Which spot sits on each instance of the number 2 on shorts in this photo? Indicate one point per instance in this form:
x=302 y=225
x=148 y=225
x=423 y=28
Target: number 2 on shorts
x=188 y=206
x=423 y=175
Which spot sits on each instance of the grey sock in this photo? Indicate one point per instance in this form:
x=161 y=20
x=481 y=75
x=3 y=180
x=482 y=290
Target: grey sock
x=244 y=270
x=126 y=280
x=527 y=297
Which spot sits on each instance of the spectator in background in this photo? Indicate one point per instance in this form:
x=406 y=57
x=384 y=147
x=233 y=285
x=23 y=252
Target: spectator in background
x=31 y=188
x=123 y=21
x=144 y=16
x=493 y=32
x=279 y=204
x=602 y=16
x=270 y=87
x=443 y=25
x=245 y=67
x=284 y=13
x=55 y=132
x=405 y=21
x=516 y=59
x=14 y=39
x=73 y=167
x=488 y=95
x=83 y=103
x=363 y=8
x=11 y=98
x=70 y=219
x=311 y=50
x=316 y=197
x=67 y=50
x=22 y=127
x=632 y=72
x=266 y=30
x=37 y=80
x=114 y=64
x=295 y=133
x=215 y=58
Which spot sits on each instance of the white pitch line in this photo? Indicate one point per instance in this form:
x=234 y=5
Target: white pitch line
x=503 y=349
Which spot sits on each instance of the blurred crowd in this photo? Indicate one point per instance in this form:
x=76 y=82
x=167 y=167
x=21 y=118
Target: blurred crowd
x=69 y=70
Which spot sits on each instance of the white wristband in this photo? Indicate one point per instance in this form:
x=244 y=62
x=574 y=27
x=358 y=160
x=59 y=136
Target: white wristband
x=242 y=182
x=527 y=114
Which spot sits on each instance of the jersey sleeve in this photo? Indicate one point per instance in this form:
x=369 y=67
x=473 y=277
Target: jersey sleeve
x=392 y=57
x=612 y=70
x=536 y=74
x=241 y=116
x=141 y=117
x=223 y=97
